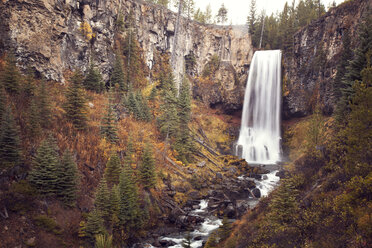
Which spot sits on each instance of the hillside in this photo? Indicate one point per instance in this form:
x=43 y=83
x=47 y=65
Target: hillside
x=119 y=121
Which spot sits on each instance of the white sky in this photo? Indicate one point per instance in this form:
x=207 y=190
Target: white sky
x=238 y=10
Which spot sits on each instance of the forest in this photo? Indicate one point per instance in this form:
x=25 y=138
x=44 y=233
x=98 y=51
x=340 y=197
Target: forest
x=102 y=163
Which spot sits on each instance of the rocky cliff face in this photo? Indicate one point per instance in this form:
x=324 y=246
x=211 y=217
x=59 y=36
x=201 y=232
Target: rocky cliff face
x=47 y=35
x=310 y=70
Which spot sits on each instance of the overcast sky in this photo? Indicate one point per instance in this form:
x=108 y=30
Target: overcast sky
x=238 y=9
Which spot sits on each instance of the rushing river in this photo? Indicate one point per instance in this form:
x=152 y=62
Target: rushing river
x=211 y=222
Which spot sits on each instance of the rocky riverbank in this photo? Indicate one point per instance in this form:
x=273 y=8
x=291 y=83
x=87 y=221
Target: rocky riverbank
x=231 y=194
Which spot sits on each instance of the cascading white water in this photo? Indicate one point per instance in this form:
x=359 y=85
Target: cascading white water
x=259 y=138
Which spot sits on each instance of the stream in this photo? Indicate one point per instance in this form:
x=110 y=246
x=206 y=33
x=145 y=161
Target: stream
x=200 y=234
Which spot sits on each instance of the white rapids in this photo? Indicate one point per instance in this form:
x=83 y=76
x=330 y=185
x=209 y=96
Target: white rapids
x=259 y=138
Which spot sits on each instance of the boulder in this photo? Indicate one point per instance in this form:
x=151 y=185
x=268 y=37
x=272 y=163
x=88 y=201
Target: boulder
x=256 y=192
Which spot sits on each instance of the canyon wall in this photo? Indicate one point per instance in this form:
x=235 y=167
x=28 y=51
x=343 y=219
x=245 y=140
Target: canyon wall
x=310 y=70
x=47 y=36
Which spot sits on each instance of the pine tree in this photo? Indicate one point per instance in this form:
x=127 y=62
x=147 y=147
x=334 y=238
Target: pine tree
x=102 y=201
x=114 y=203
x=45 y=174
x=183 y=143
x=346 y=55
x=108 y=126
x=131 y=102
x=356 y=65
x=142 y=108
x=29 y=86
x=11 y=75
x=128 y=210
x=67 y=179
x=169 y=119
x=252 y=18
x=10 y=153
x=222 y=14
x=94 y=225
x=45 y=112
x=34 y=120
x=75 y=107
x=148 y=168
x=112 y=171
x=117 y=77
x=93 y=80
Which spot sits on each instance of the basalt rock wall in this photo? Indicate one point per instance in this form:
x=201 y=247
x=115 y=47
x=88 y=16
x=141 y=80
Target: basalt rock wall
x=310 y=70
x=47 y=35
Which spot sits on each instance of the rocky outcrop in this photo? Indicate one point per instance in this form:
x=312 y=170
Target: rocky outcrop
x=48 y=36
x=310 y=70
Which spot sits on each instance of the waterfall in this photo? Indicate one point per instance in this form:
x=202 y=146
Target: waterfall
x=259 y=138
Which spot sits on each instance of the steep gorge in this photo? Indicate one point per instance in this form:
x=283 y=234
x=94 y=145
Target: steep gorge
x=48 y=36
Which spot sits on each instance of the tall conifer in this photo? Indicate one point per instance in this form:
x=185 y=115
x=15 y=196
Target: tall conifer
x=10 y=153
x=108 y=126
x=148 y=168
x=75 y=107
x=45 y=174
x=11 y=75
x=128 y=211
x=34 y=119
x=112 y=171
x=68 y=179
x=117 y=77
x=93 y=80
x=45 y=112
x=168 y=120
x=94 y=225
x=102 y=201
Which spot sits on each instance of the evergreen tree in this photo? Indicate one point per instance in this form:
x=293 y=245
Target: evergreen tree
x=112 y=171
x=148 y=168
x=346 y=56
x=102 y=201
x=114 y=203
x=45 y=112
x=183 y=143
x=94 y=225
x=356 y=65
x=45 y=174
x=29 y=85
x=108 y=126
x=75 y=107
x=134 y=76
x=142 y=111
x=93 y=80
x=131 y=102
x=252 y=18
x=11 y=76
x=117 y=77
x=67 y=179
x=10 y=152
x=168 y=120
x=34 y=126
x=128 y=210
x=222 y=14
